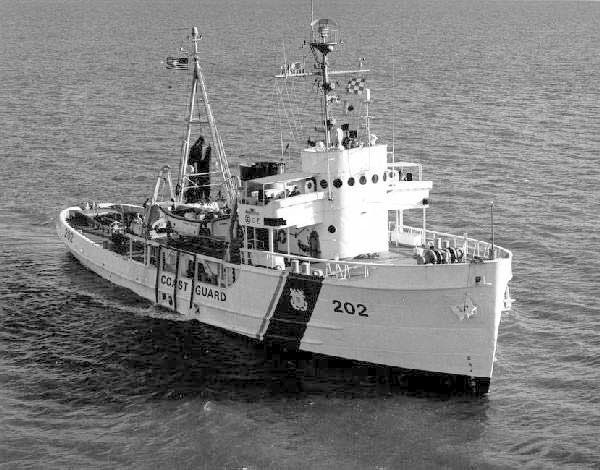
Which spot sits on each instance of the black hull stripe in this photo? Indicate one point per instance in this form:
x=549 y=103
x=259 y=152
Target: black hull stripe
x=273 y=301
x=158 y=264
x=193 y=282
x=293 y=311
x=175 y=283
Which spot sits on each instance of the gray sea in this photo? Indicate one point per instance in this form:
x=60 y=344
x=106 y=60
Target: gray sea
x=499 y=100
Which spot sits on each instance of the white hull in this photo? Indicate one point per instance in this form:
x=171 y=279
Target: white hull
x=438 y=318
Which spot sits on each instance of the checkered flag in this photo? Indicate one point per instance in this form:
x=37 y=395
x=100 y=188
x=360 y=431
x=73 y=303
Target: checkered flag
x=356 y=86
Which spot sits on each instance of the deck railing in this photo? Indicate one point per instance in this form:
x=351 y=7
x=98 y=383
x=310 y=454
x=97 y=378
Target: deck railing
x=471 y=247
x=474 y=250
x=306 y=265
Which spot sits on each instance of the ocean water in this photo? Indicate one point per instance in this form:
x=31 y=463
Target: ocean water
x=500 y=101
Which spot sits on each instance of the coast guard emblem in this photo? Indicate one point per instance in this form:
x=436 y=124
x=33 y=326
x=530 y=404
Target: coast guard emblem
x=297 y=300
x=286 y=324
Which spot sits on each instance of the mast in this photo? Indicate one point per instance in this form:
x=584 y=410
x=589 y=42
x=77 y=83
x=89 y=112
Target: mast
x=492 y=228
x=198 y=79
x=185 y=153
x=324 y=38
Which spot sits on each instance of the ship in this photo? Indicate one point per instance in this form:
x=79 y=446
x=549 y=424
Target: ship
x=316 y=261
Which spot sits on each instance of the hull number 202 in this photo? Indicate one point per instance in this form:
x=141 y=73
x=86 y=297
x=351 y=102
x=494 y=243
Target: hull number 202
x=350 y=308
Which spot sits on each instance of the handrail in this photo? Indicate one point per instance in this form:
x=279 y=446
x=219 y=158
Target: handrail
x=474 y=250
x=471 y=247
x=404 y=164
x=328 y=268
x=296 y=198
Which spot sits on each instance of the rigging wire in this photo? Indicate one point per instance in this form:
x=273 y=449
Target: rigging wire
x=293 y=121
x=393 y=104
x=277 y=120
x=289 y=122
x=295 y=117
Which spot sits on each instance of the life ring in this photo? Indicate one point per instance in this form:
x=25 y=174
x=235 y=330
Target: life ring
x=281 y=237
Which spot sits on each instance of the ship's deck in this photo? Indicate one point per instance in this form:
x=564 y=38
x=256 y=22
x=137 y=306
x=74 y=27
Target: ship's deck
x=399 y=254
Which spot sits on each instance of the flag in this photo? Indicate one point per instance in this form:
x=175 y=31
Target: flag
x=177 y=63
x=356 y=86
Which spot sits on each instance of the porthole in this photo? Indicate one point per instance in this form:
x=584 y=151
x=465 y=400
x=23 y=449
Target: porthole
x=375 y=178
x=384 y=176
x=331 y=229
x=337 y=183
x=391 y=174
x=323 y=184
x=351 y=181
x=363 y=179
